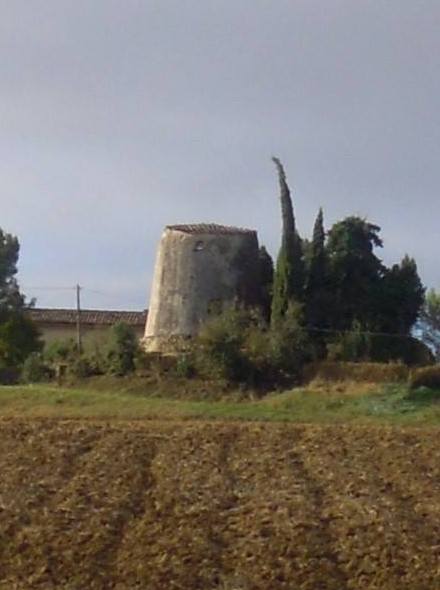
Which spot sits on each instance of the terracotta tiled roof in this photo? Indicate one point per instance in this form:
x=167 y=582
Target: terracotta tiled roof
x=88 y=316
x=210 y=228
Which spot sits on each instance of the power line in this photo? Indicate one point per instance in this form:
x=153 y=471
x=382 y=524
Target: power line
x=107 y=294
x=35 y=288
x=99 y=292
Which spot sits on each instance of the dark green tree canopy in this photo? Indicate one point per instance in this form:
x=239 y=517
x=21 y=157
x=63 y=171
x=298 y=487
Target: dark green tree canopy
x=363 y=290
x=402 y=296
x=10 y=297
x=18 y=335
x=355 y=272
x=354 y=238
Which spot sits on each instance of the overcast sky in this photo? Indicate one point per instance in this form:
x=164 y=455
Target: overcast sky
x=121 y=116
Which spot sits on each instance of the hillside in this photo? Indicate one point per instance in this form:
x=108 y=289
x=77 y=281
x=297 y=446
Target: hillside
x=202 y=505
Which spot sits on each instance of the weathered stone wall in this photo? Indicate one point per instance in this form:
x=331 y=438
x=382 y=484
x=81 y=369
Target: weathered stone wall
x=197 y=272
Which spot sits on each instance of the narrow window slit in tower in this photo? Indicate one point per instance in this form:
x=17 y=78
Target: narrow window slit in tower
x=199 y=246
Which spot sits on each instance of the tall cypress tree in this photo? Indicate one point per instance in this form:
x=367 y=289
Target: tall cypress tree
x=317 y=275
x=316 y=271
x=289 y=273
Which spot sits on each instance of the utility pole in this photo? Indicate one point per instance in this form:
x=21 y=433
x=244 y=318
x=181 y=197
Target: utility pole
x=78 y=320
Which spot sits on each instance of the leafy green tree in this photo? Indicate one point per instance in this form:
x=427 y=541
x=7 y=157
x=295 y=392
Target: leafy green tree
x=366 y=297
x=289 y=274
x=10 y=296
x=355 y=273
x=430 y=322
x=18 y=335
x=18 y=338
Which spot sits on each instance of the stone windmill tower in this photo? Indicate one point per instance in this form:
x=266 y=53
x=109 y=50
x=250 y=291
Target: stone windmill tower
x=199 y=270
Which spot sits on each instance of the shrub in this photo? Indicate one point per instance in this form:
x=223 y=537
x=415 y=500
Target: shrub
x=257 y=349
x=62 y=357
x=97 y=360
x=185 y=366
x=358 y=372
x=425 y=377
x=219 y=346
x=353 y=345
x=238 y=346
x=123 y=350
x=405 y=349
x=35 y=369
x=60 y=350
x=153 y=363
x=80 y=368
x=424 y=395
x=9 y=375
x=142 y=361
x=358 y=345
x=290 y=344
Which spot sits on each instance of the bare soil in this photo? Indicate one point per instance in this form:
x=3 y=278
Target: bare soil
x=89 y=505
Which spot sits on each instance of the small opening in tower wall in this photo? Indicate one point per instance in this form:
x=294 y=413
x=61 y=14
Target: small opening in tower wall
x=199 y=246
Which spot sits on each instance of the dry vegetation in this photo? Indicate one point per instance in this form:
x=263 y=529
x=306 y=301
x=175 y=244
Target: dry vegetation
x=357 y=372
x=88 y=504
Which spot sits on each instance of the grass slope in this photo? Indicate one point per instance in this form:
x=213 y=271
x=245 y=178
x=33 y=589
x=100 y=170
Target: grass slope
x=393 y=404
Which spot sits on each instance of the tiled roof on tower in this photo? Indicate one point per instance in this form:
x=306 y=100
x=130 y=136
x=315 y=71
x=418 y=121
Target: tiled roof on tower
x=209 y=228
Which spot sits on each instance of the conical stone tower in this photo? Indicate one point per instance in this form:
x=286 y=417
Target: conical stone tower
x=199 y=270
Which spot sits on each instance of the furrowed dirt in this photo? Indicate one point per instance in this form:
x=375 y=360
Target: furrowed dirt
x=227 y=506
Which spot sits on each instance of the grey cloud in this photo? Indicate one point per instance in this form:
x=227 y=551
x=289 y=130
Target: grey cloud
x=118 y=117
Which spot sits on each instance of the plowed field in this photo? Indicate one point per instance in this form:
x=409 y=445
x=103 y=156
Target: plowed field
x=180 y=505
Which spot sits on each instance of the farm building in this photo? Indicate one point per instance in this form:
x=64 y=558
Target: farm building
x=61 y=324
